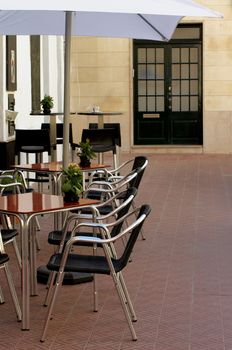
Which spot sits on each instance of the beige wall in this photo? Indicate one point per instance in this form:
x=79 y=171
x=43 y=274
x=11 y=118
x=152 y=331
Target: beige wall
x=102 y=75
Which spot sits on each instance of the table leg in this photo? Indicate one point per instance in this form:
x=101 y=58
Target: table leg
x=101 y=121
x=53 y=137
x=25 y=275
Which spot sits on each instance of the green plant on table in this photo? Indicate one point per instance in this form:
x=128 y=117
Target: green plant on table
x=72 y=181
x=47 y=104
x=86 y=153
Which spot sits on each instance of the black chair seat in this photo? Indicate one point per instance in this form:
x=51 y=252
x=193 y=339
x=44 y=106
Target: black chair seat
x=84 y=263
x=3 y=258
x=54 y=237
x=8 y=234
x=33 y=149
x=104 y=210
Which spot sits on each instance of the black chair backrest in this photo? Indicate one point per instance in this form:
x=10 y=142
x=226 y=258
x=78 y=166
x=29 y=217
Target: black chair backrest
x=131 y=191
x=32 y=137
x=59 y=130
x=139 y=165
x=115 y=126
x=123 y=260
x=102 y=140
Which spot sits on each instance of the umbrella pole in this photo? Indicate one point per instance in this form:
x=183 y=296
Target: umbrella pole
x=67 y=69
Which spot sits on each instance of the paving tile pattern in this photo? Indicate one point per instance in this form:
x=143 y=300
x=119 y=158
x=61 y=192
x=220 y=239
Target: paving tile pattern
x=180 y=277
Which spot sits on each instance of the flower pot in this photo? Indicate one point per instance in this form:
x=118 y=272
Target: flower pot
x=84 y=162
x=70 y=197
x=47 y=111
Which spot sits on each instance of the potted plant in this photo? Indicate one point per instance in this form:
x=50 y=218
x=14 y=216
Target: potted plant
x=72 y=183
x=86 y=153
x=47 y=104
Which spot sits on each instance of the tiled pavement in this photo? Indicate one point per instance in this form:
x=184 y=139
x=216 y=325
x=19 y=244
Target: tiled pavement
x=180 y=278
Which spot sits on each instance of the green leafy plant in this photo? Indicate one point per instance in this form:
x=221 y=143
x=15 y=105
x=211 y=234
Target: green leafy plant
x=86 y=152
x=47 y=103
x=72 y=180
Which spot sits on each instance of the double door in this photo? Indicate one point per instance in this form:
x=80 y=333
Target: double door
x=167 y=93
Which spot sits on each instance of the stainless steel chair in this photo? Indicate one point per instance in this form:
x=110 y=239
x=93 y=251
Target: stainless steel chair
x=4 y=258
x=109 y=264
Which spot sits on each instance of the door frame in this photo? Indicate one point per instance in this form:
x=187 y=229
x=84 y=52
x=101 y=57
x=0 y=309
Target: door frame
x=177 y=41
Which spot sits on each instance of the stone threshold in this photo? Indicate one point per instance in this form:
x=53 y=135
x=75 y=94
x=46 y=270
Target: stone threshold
x=167 y=149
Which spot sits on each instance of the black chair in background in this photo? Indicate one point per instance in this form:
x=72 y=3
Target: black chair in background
x=102 y=140
x=117 y=134
x=59 y=131
x=115 y=126
x=32 y=141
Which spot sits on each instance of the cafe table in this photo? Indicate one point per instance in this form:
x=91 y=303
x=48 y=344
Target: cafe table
x=25 y=207
x=100 y=115
x=54 y=169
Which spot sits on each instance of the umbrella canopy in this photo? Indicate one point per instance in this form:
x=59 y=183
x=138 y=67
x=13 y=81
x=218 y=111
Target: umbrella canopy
x=140 y=19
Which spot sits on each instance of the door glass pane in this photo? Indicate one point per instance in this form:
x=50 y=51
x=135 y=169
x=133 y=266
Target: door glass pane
x=184 y=103
x=194 y=103
x=184 y=87
x=176 y=104
x=184 y=55
x=142 y=87
x=184 y=71
x=142 y=104
x=141 y=55
x=159 y=71
x=159 y=104
x=193 y=71
x=175 y=55
x=194 y=87
x=141 y=71
x=176 y=87
x=151 y=55
x=151 y=87
x=159 y=55
x=151 y=71
x=151 y=104
x=194 y=55
x=176 y=71
x=159 y=87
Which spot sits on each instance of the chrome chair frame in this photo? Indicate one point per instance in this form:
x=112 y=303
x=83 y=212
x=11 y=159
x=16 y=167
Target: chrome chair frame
x=66 y=261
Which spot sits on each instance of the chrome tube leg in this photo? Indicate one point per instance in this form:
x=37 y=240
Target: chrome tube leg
x=127 y=298
x=2 y=300
x=17 y=253
x=124 y=306
x=52 y=276
x=25 y=277
x=33 y=257
x=52 y=303
x=13 y=292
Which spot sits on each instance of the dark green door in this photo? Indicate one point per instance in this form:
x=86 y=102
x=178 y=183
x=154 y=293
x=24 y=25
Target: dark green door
x=167 y=93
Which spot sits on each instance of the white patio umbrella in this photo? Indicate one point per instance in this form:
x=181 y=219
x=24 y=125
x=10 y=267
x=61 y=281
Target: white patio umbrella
x=140 y=19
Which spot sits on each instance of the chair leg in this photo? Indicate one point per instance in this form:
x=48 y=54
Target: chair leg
x=124 y=305
x=50 y=284
x=52 y=303
x=13 y=292
x=127 y=298
x=17 y=253
x=2 y=300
